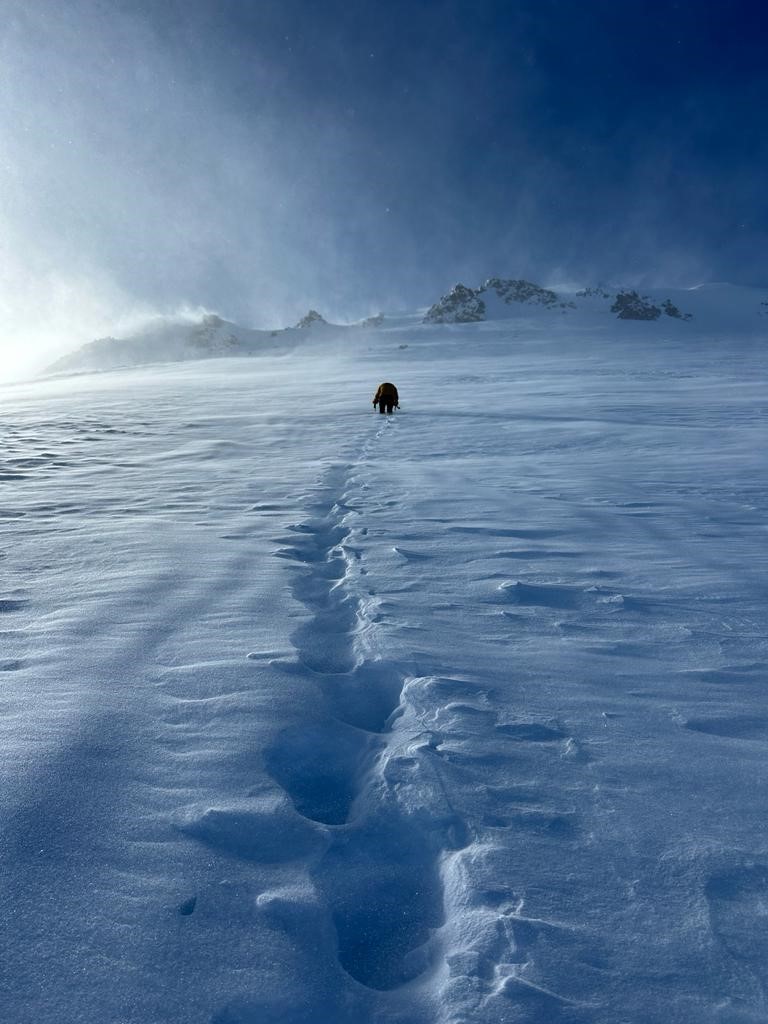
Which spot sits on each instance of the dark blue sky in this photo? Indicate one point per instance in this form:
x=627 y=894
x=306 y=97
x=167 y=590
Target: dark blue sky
x=260 y=157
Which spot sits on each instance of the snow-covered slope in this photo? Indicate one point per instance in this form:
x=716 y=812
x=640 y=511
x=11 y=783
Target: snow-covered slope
x=315 y=716
x=162 y=340
x=170 y=340
x=167 y=340
x=500 y=299
x=497 y=299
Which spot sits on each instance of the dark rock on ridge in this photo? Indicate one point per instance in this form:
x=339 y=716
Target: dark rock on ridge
x=465 y=305
x=631 y=306
x=312 y=317
x=461 y=305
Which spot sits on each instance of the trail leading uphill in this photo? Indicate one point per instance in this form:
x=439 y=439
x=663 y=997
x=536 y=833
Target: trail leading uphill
x=455 y=715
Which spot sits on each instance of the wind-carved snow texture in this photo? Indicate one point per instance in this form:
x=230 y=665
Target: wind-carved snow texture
x=381 y=770
x=381 y=872
x=738 y=900
x=323 y=717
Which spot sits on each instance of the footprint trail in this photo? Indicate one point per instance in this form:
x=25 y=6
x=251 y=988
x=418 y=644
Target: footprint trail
x=381 y=874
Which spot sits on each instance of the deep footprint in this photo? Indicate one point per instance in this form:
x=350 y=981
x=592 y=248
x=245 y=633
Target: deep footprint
x=382 y=882
x=320 y=766
x=367 y=698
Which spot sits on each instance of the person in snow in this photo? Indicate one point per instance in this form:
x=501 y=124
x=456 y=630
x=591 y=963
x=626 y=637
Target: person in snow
x=386 y=398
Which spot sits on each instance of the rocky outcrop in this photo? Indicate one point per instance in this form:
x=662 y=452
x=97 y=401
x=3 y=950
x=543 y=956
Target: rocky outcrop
x=465 y=305
x=520 y=291
x=312 y=317
x=591 y=293
x=211 y=336
x=632 y=306
x=461 y=305
x=671 y=310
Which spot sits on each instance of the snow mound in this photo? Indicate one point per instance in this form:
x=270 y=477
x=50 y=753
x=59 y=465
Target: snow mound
x=180 y=339
x=165 y=340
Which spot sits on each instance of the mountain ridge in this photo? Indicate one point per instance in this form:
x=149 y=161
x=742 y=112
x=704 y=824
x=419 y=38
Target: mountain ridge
x=166 y=339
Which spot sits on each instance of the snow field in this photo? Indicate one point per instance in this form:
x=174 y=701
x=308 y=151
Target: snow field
x=313 y=715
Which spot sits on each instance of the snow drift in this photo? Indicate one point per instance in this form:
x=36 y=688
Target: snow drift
x=314 y=716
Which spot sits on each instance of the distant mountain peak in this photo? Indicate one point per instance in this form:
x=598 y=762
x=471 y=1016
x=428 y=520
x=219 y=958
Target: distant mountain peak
x=165 y=339
x=491 y=299
x=212 y=320
x=461 y=305
x=312 y=317
x=464 y=305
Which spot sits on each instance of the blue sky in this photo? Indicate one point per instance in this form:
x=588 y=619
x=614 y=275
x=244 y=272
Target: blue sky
x=260 y=157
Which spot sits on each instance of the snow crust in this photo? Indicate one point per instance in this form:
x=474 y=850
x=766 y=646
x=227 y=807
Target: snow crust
x=312 y=715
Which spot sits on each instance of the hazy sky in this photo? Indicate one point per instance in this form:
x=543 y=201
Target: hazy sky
x=256 y=157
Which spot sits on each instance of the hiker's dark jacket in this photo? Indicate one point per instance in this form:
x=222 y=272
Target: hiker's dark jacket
x=386 y=393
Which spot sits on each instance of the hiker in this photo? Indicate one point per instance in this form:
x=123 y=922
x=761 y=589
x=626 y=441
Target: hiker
x=386 y=398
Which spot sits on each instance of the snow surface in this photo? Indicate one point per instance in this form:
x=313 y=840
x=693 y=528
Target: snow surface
x=314 y=716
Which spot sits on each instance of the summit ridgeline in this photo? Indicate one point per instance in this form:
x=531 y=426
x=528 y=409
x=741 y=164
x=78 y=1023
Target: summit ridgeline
x=499 y=298
x=717 y=310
